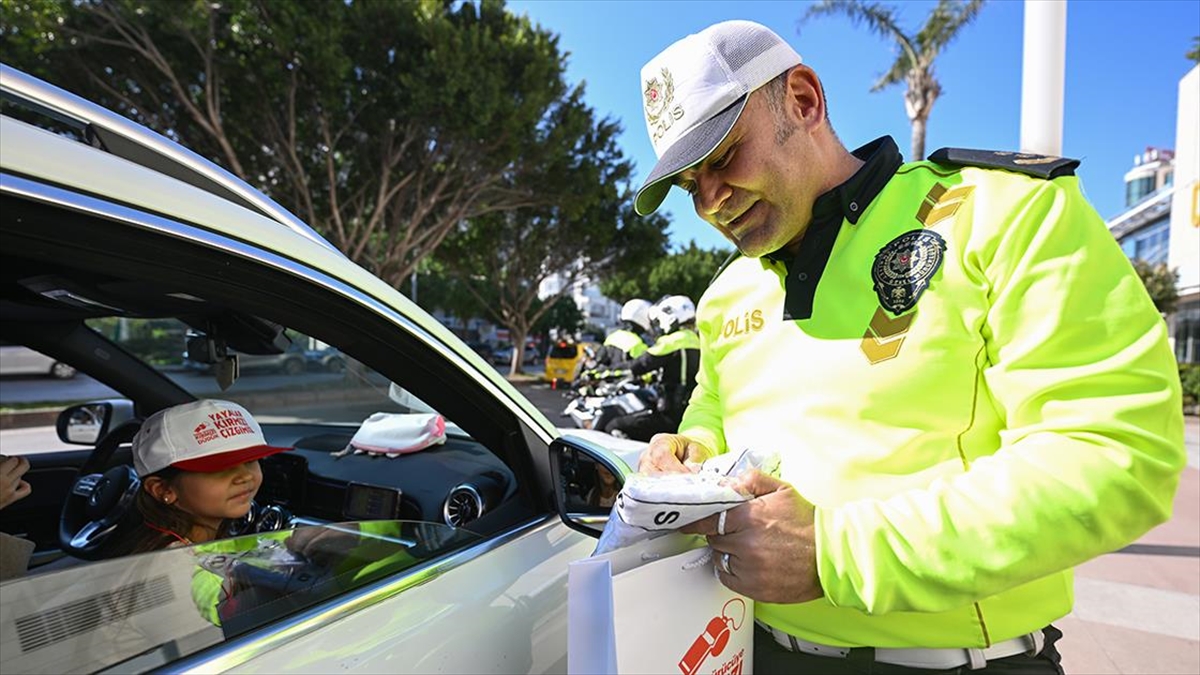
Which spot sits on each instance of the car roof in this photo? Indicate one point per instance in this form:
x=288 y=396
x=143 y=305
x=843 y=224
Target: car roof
x=122 y=137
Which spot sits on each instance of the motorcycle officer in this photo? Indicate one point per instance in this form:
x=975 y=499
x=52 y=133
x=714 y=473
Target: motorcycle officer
x=627 y=342
x=676 y=354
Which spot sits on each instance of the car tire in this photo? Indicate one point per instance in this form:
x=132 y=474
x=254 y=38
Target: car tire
x=335 y=366
x=293 y=367
x=61 y=371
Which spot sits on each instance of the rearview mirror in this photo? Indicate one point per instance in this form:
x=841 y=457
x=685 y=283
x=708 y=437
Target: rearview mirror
x=87 y=423
x=587 y=479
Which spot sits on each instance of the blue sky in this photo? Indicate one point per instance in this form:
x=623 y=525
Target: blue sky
x=1124 y=62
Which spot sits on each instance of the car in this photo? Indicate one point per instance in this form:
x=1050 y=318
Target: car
x=21 y=360
x=327 y=359
x=503 y=354
x=565 y=359
x=453 y=558
x=292 y=361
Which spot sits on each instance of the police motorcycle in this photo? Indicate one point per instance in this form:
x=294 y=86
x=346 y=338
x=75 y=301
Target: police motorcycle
x=613 y=401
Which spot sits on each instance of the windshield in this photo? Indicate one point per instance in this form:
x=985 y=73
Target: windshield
x=161 y=606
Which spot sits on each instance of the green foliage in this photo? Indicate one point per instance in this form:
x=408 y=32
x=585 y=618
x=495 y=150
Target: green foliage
x=159 y=342
x=564 y=315
x=1189 y=378
x=383 y=124
x=1193 y=54
x=686 y=272
x=1161 y=282
x=587 y=231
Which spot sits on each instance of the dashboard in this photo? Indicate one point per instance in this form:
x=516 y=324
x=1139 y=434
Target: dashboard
x=316 y=482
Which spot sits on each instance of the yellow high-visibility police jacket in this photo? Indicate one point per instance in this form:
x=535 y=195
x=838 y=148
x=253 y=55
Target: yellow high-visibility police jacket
x=627 y=342
x=964 y=374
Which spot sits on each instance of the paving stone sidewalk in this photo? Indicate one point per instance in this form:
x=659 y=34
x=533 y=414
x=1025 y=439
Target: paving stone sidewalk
x=1138 y=611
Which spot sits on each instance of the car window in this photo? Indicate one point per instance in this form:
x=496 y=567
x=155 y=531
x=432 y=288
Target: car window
x=563 y=351
x=164 y=605
x=310 y=381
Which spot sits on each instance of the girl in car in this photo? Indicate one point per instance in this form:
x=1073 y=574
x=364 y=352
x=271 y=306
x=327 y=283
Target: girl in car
x=199 y=468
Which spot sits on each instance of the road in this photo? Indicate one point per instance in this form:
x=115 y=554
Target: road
x=26 y=390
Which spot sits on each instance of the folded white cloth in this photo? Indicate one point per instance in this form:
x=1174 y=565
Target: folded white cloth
x=399 y=433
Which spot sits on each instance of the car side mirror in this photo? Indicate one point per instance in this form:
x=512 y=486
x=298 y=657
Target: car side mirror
x=587 y=479
x=87 y=423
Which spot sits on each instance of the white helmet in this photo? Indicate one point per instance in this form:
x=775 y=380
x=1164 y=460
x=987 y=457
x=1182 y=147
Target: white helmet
x=637 y=311
x=672 y=312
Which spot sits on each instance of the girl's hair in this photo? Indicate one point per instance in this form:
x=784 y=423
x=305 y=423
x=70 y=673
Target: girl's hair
x=159 y=519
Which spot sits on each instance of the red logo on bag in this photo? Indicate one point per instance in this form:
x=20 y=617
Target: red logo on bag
x=714 y=639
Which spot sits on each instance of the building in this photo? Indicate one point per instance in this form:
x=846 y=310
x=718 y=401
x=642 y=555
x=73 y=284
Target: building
x=1152 y=170
x=600 y=313
x=1184 y=253
x=1161 y=220
x=1143 y=228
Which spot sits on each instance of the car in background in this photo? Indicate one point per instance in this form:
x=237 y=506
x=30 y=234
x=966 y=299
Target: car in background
x=503 y=354
x=481 y=348
x=452 y=558
x=563 y=360
x=293 y=361
x=20 y=360
x=326 y=360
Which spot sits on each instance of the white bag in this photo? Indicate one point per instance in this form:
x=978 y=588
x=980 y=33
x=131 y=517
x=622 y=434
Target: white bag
x=393 y=434
x=656 y=607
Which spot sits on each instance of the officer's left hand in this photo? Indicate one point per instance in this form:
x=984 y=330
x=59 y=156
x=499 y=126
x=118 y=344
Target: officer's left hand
x=770 y=541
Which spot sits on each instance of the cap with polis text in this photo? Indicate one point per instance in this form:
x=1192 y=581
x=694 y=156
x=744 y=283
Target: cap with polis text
x=205 y=436
x=694 y=91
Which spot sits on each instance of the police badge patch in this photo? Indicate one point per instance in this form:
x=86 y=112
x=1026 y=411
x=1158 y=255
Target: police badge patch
x=903 y=268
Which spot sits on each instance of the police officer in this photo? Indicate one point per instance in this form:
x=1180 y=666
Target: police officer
x=626 y=343
x=675 y=357
x=968 y=385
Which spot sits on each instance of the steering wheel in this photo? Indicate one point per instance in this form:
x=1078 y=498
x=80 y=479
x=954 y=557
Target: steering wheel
x=98 y=502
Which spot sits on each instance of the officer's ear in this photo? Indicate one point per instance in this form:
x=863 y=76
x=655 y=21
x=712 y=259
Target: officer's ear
x=805 y=102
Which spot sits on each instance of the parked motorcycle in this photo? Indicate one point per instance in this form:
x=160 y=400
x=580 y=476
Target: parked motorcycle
x=614 y=402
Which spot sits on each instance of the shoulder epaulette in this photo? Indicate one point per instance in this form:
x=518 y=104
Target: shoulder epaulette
x=728 y=261
x=1041 y=166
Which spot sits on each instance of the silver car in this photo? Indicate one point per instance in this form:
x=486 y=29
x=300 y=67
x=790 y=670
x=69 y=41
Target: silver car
x=451 y=559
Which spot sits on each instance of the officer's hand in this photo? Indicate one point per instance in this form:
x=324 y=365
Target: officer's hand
x=770 y=541
x=672 y=453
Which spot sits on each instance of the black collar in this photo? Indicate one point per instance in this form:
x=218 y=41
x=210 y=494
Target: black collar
x=847 y=201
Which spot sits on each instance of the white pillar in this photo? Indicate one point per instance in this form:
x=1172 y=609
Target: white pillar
x=1043 y=65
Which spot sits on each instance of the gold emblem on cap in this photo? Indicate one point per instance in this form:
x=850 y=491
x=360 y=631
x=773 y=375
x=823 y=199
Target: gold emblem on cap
x=658 y=96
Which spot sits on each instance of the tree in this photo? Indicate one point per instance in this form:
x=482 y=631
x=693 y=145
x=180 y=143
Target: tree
x=563 y=315
x=686 y=272
x=1193 y=55
x=914 y=62
x=588 y=232
x=1160 y=282
x=384 y=125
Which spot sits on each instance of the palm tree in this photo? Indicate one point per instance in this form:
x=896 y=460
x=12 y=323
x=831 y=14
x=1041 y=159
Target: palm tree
x=914 y=64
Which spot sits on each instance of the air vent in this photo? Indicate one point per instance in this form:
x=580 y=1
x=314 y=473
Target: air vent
x=81 y=616
x=462 y=506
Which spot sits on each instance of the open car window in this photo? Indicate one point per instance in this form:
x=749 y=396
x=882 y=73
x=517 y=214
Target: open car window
x=158 y=607
x=307 y=380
